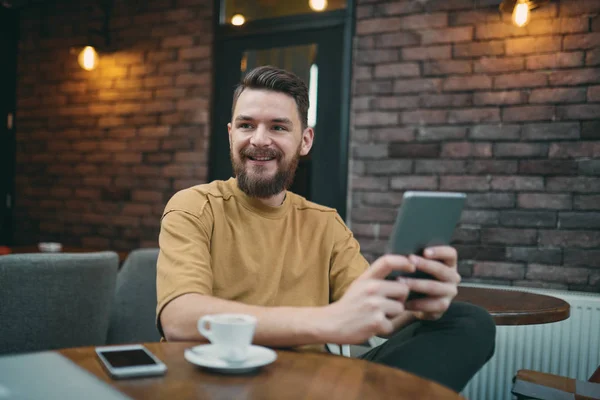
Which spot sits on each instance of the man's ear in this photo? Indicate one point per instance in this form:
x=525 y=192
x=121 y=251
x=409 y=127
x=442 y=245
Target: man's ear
x=308 y=135
x=229 y=133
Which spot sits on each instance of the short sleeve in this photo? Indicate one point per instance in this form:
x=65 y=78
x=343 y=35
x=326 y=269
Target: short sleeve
x=347 y=263
x=184 y=261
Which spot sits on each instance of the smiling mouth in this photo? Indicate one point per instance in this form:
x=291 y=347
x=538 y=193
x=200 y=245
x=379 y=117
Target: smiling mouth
x=261 y=159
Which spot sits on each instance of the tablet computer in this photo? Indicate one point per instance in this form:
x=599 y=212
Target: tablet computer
x=425 y=219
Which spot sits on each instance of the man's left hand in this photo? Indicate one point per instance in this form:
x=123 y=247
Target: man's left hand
x=440 y=262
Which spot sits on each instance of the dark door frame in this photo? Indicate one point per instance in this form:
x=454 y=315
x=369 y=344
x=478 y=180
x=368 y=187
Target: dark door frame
x=299 y=25
x=9 y=24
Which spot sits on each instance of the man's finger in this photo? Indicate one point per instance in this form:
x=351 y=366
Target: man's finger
x=429 y=304
x=386 y=264
x=445 y=254
x=435 y=268
x=431 y=288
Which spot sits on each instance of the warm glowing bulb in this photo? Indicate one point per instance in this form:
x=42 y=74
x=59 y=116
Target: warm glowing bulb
x=238 y=19
x=317 y=5
x=88 y=58
x=521 y=13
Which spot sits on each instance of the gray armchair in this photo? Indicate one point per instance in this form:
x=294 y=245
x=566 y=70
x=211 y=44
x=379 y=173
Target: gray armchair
x=51 y=301
x=134 y=308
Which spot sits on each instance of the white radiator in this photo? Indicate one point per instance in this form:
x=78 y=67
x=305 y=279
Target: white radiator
x=569 y=348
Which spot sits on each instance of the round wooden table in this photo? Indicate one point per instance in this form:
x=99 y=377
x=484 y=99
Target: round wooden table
x=293 y=375
x=513 y=307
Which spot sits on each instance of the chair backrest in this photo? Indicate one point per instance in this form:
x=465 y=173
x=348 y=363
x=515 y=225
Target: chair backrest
x=134 y=307
x=51 y=301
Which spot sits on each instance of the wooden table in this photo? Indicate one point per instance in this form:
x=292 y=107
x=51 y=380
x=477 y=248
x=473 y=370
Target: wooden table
x=293 y=375
x=513 y=307
x=65 y=249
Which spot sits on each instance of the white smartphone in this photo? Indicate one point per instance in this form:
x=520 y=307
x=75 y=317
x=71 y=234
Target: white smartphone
x=130 y=361
x=425 y=219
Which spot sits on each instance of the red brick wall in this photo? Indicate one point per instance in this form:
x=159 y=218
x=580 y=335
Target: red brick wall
x=99 y=153
x=448 y=95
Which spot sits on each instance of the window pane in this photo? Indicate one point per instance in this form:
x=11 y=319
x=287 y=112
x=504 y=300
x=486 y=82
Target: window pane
x=262 y=9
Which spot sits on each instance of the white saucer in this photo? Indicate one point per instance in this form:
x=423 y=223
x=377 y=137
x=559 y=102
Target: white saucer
x=205 y=355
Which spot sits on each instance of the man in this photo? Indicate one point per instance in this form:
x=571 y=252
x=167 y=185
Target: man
x=247 y=245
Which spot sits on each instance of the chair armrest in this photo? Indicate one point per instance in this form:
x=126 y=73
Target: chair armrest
x=549 y=380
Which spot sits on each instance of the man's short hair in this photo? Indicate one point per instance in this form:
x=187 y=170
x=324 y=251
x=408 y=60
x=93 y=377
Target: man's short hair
x=276 y=80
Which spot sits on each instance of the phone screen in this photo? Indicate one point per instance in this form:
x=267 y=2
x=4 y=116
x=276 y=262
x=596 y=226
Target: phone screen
x=127 y=358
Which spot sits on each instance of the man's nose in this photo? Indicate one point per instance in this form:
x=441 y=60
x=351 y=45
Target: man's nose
x=261 y=137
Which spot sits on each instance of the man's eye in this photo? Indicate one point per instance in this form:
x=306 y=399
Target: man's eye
x=279 y=128
x=244 y=126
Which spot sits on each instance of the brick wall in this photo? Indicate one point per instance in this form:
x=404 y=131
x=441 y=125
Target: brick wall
x=99 y=153
x=449 y=95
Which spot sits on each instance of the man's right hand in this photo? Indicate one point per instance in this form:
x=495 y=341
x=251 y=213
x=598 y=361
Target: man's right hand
x=369 y=305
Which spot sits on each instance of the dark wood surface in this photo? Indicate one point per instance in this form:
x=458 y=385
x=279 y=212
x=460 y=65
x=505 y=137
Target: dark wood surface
x=65 y=249
x=512 y=307
x=292 y=376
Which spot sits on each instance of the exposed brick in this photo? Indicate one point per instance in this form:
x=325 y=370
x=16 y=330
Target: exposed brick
x=427 y=53
x=559 y=95
x=519 y=183
x=373 y=87
x=449 y=35
x=584 y=41
x=589 y=167
x=441 y=133
x=394 y=102
x=371 y=151
x=499 y=98
x=579 y=220
x=528 y=113
x=558 y=25
x=388 y=167
x=499 y=270
x=545 y=201
x=479 y=167
x=392 y=134
x=478 y=49
x=582 y=239
x=369 y=183
x=399 y=7
x=466 y=150
x=446 y=100
x=469 y=17
x=465 y=235
x=586 y=202
x=534 y=255
x=574 y=149
x=573 y=184
x=479 y=217
x=397 y=39
x=397 y=70
x=575 y=77
x=556 y=273
x=520 y=150
x=178 y=41
x=582 y=257
x=497 y=64
x=594 y=93
x=362 y=72
x=467 y=83
x=474 y=115
x=578 y=8
x=469 y=183
x=447 y=67
x=533 y=45
x=449 y=5
x=414 y=182
x=417 y=85
x=592 y=57
x=508 y=236
x=439 y=167
x=404 y=150
x=375 y=56
x=498 y=30
x=424 y=21
x=580 y=111
x=375 y=118
x=521 y=80
x=193 y=53
x=377 y=25
x=556 y=60
x=548 y=167
x=495 y=132
x=424 y=117
x=365 y=11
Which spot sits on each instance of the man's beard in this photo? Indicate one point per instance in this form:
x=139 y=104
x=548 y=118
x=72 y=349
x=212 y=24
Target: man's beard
x=255 y=185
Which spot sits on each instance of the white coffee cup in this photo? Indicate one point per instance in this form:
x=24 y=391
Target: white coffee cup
x=231 y=334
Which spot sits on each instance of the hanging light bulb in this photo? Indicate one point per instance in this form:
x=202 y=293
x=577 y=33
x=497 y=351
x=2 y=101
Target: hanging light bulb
x=317 y=5
x=88 y=58
x=238 y=20
x=521 y=13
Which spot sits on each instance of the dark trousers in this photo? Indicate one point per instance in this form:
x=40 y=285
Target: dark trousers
x=448 y=351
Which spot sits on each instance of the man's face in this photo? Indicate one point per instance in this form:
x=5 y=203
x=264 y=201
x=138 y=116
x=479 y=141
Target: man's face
x=266 y=141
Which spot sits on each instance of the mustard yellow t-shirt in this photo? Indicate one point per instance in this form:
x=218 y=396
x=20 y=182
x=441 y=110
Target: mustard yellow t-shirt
x=215 y=240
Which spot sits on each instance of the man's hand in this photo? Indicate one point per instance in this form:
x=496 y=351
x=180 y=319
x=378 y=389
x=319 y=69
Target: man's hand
x=369 y=305
x=440 y=262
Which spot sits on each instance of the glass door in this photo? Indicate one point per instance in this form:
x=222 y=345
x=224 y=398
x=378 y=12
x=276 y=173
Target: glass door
x=316 y=57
